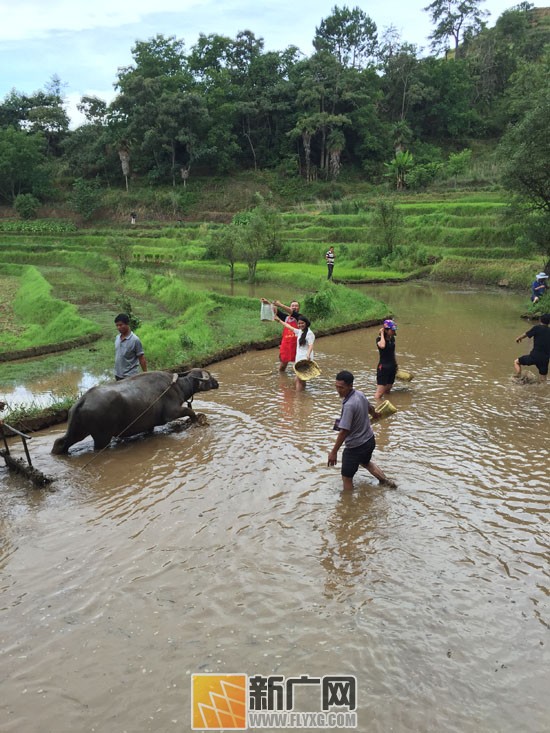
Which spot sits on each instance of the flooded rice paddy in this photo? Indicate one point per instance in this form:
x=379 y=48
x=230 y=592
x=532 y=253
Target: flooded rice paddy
x=231 y=548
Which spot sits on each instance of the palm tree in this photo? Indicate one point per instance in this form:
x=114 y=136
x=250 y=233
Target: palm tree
x=399 y=167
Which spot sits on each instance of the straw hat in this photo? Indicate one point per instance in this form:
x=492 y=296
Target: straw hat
x=404 y=375
x=385 y=409
x=306 y=369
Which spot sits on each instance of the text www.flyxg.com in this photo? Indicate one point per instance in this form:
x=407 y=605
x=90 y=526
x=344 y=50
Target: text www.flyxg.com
x=302 y=720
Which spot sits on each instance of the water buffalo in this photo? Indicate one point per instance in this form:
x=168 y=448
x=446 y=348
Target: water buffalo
x=131 y=406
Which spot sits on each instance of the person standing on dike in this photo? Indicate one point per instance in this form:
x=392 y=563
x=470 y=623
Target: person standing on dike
x=330 y=257
x=387 y=365
x=287 y=348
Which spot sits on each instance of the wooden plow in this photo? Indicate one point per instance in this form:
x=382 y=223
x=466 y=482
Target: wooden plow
x=18 y=464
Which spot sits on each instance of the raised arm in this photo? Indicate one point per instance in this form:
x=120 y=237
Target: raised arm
x=287 y=325
x=282 y=306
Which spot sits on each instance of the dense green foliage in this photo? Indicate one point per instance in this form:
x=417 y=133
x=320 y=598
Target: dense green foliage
x=26 y=205
x=360 y=101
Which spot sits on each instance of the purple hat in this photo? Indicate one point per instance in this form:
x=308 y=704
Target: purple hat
x=390 y=324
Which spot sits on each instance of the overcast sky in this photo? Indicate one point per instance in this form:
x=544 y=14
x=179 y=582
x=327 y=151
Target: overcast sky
x=84 y=42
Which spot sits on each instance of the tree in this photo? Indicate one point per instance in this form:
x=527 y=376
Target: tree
x=224 y=244
x=159 y=115
x=41 y=111
x=94 y=109
x=387 y=227
x=402 y=136
x=525 y=151
x=527 y=84
x=248 y=96
x=259 y=231
x=458 y=163
x=85 y=198
x=536 y=227
x=88 y=152
x=22 y=163
x=325 y=93
x=454 y=19
x=350 y=35
x=122 y=252
x=398 y=168
x=401 y=82
x=446 y=109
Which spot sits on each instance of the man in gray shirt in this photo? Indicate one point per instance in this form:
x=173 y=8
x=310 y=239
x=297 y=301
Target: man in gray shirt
x=129 y=354
x=355 y=430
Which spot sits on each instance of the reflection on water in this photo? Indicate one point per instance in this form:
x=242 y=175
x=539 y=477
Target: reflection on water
x=230 y=547
x=42 y=392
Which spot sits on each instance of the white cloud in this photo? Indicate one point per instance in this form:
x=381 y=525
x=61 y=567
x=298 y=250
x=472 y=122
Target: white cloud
x=84 y=42
x=72 y=100
x=36 y=18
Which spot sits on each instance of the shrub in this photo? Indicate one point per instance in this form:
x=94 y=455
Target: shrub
x=421 y=176
x=26 y=205
x=348 y=206
x=319 y=305
x=85 y=198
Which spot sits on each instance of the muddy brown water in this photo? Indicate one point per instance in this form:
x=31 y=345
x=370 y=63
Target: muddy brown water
x=230 y=547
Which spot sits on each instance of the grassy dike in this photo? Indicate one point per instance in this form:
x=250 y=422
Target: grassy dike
x=31 y=317
x=215 y=326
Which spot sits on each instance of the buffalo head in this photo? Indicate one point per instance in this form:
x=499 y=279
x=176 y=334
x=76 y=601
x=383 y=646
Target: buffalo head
x=202 y=380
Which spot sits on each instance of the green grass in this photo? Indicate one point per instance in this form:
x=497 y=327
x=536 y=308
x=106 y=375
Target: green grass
x=41 y=318
x=14 y=415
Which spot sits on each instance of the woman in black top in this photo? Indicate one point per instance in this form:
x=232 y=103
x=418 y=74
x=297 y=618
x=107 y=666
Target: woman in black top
x=387 y=365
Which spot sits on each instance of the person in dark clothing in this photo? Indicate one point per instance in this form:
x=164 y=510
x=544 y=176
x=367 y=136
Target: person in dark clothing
x=540 y=353
x=539 y=287
x=387 y=365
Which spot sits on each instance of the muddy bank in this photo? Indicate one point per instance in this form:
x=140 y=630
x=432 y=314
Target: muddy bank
x=33 y=351
x=38 y=422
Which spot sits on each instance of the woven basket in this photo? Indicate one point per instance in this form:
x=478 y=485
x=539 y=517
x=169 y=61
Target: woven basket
x=404 y=375
x=385 y=409
x=306 y=369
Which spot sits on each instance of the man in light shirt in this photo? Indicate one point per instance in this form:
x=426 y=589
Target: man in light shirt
x=129 y=354
x=355 y=430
